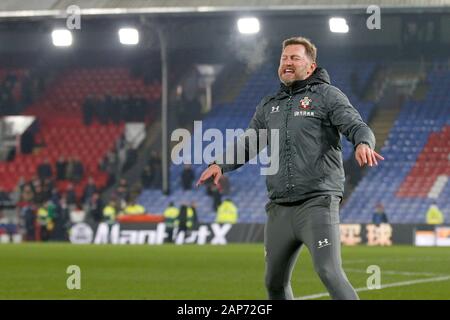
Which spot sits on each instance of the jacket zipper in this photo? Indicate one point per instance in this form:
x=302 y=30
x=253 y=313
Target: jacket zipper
x=288 y=144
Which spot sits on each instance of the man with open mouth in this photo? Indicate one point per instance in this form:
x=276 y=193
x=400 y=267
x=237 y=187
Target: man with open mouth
x=306 y=191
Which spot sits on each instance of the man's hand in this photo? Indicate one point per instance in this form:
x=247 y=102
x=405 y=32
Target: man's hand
x=365 y=155
x=212 y=171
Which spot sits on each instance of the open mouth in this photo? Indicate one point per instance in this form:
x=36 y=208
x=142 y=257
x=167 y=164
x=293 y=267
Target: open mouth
x=288 y=71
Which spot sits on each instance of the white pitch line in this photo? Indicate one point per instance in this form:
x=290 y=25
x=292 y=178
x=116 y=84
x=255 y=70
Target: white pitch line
x=357 y=261
x=389 y=285
x=400 y=273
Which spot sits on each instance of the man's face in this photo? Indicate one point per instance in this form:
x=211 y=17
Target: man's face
x=295 y=64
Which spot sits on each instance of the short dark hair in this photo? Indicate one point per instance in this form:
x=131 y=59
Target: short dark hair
x=310 y=48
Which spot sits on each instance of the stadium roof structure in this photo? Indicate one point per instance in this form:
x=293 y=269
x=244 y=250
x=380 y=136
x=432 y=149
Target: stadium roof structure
x=57 y=8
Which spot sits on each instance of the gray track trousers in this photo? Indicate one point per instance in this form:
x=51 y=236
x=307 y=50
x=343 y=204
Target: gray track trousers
x=315 y=223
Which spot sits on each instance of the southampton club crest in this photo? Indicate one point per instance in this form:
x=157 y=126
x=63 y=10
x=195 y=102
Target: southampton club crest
x=305 y=108
x=304 y=103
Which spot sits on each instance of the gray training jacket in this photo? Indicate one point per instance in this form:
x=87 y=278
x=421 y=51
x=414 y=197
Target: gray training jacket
x=309 y=114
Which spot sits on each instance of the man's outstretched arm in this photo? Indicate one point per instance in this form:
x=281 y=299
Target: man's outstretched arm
x=348 y=121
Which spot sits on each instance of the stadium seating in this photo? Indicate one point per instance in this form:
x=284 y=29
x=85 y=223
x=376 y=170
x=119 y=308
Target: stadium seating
x=61 y=130
x=417 y=154
x=66 y=98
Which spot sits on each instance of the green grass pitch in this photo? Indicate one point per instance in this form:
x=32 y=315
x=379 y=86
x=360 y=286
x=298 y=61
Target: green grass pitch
x=38 y=271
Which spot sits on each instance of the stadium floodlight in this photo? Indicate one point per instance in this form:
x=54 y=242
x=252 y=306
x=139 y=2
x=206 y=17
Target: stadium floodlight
x=62 y=38
x=338 y=25
x=248 y=25
x=128 y=36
